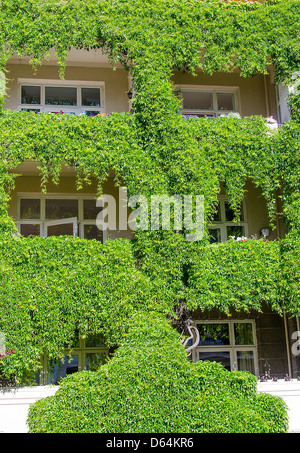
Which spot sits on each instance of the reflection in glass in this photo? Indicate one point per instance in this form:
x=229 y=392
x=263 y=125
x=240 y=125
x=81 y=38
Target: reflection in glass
x=243 y=333
x=63 y=111
x=245 y=360
x=230 y=214
x=94 y=360
x=30 y=94
x=28 y=229
x=60 y=95
x=61 y=209
x=93 y=232
x=60 y=369
x=30 y=208
x=64 y=229
x=90 y=112
x=225 y=101
x=90 y=210
x=90 y=97
x=217 y=213
x=197 y=100
x=96 y=340
x=31 y=110
x=214 y=235
x=235 y=231
x=219 y=357
x=213 y=334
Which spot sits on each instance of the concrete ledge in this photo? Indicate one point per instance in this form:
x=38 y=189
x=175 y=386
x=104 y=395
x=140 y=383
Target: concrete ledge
x=14 y=405
x=288 y=388
x=26 y=395
x=289 y=391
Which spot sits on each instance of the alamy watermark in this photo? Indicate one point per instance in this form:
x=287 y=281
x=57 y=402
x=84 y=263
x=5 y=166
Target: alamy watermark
x=296 y=344
x=160 y=212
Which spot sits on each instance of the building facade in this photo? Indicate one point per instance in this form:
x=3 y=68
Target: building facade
x=256 y=342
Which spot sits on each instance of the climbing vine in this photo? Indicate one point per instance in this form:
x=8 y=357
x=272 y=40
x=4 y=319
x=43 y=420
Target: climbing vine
x=153 y=150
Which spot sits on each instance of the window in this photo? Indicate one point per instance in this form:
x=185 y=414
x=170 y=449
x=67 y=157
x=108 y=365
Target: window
x=223 y=225
x=52 y=96
x=231 y=343
x=86 y=354
x=58 y=216
x=206 y=102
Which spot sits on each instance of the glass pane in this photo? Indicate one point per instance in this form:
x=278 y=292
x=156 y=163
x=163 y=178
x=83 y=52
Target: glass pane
x=243 y=333
x=31 y=110
x=90 y=210
x=245 y=361
x=61 y=209
x=235 y=231
x=198 y=115
x=213 y=334
x=30 y=94
x=96 y=340
x=65 y=229
x=215 y=235
x=93 y=232
x=30 y=229
x=197 y=100
x=61 y=95
x=94 y=360
x=60 y=369
x=217 y=213
x=225 y=101
x=220 y=357
x=229 y=213
x=90 y=112
x=90 y=96
x=30 y=208
x=62 y=111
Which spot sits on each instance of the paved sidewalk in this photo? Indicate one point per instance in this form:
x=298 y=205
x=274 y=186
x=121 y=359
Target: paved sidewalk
x=14 y=404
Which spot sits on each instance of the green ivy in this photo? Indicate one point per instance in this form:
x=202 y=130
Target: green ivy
x=54 y=288
x=160 y=392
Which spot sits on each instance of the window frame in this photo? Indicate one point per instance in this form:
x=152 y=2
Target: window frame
x=50 y=223
x=214 y=89
x=232 y=348
x=73 y=109
x=81 y=351
x=223 y=223
x=78 y=222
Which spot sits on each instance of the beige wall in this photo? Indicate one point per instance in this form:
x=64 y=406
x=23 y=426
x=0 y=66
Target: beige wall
x=257 y=97
x=257 y=213
x=30 y=183
x=257 y=94
x=116 y=82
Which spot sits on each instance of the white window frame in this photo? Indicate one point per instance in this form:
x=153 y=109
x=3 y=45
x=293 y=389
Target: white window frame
x=223 y=223
x=72 y=220
x=214 y=112
x=78 y=223
x=232 y=348
x=46 y=108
